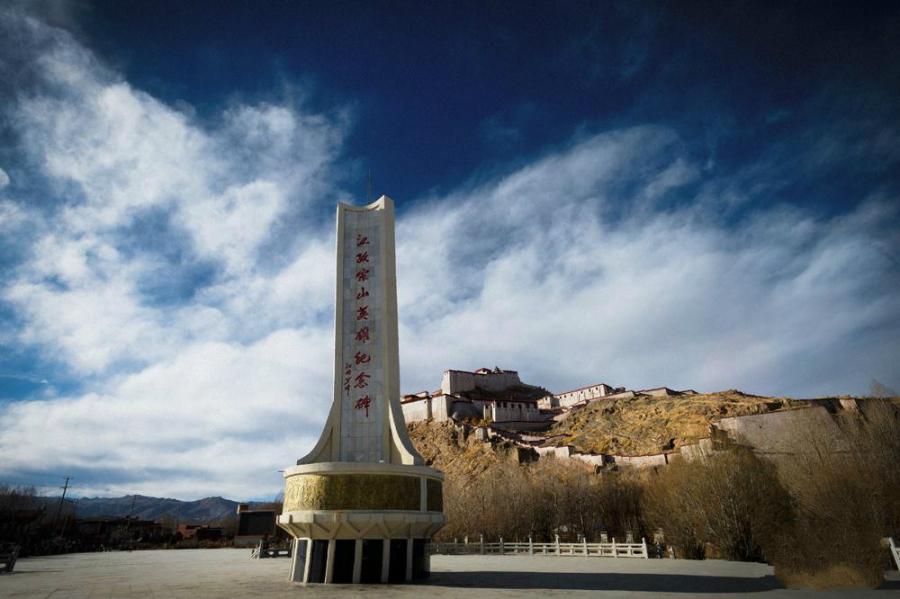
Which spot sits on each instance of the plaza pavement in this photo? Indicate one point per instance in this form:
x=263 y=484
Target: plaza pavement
x=227 y=573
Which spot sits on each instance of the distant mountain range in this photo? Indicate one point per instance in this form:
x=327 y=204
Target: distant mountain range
x=154 y=508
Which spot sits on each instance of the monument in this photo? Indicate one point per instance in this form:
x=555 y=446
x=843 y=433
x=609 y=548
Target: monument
x=362 y=505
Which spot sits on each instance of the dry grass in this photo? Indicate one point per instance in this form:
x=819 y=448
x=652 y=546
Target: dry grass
x=455 y=451
x=645 y=425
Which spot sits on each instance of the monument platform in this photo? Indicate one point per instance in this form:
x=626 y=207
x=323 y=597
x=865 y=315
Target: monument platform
x=361 y=522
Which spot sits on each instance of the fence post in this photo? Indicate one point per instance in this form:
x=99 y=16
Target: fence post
x=501 y=545
x=615 y=551
x=530 y=546
x=585 y=546
x=558 y=552
x=481 y=543
x=644 y=542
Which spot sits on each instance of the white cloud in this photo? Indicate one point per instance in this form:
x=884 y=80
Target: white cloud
x=572 y=269
x=224 y=414
x=210 y=391
x=571 y=292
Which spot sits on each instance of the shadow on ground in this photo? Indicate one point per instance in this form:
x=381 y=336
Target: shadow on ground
x=652 y=583
x=671 y=583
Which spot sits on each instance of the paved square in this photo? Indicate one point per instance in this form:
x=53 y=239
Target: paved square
x=225 y=573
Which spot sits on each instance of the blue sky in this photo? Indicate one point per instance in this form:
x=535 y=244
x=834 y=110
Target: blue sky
x=636 y=193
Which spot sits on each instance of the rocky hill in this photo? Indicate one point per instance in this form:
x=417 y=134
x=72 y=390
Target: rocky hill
x=644 y=424
x=455 y=450
x=638 y=425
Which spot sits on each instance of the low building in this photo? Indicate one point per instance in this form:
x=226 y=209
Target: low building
x=115 y=532
x=548 y=402
x=596 y=391
x=199 y=532
x=255 y=524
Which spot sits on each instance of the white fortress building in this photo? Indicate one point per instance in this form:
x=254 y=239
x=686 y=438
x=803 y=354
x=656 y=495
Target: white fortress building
x=492 y=395
x=569 y=398
x=590 y=393
x=460 y=381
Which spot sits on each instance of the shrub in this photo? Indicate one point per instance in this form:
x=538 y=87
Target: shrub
x=731 y=501
x=845 y=486
x=541 y=500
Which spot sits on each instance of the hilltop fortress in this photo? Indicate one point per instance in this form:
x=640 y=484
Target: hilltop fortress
x=500 y=397
x=610 y=427
x=491 y=395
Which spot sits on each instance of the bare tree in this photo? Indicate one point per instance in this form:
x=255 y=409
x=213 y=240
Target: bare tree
x=846 y=483
x=730 y=501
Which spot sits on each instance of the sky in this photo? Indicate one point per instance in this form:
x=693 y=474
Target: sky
x=697 y=195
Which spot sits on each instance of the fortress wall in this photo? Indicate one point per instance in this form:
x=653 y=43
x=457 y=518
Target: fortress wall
x=588 y=393
x=496 y=381
x=415 y=411
x=515 y=411
x=440 y=407
x=779 y=432
x=548 y=402
x=457 y=381
x=697 y=450
x=594 y=460
x=418 y=410
x=460 y=381
x=641 y=461
x=561 y=453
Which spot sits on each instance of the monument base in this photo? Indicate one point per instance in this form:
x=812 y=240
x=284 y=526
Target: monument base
x=359 y=522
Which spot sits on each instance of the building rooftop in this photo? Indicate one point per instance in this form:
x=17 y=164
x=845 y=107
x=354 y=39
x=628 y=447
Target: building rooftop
x=495 y=370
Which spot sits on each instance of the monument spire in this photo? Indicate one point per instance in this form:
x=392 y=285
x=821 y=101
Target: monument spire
x=366 y=421
x=361 y=505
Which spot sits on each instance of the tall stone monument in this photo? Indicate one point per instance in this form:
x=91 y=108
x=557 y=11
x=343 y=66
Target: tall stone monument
x=362 y=505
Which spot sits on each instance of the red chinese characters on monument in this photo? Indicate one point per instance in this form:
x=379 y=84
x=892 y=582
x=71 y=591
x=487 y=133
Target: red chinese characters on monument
x=362 y=380
x=348 y=372
x=358 y=375
x=363 y=402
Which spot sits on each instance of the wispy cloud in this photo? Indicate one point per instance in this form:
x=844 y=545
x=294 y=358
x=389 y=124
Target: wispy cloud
x=183 y=270
x=540 y=268
x=24 y=376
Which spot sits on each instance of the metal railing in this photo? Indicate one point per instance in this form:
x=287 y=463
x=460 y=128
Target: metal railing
x=583 y=549
x=895 y=552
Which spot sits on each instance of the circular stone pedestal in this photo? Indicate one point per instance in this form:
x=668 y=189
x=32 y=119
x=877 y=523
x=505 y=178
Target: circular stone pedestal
x=361 y=522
